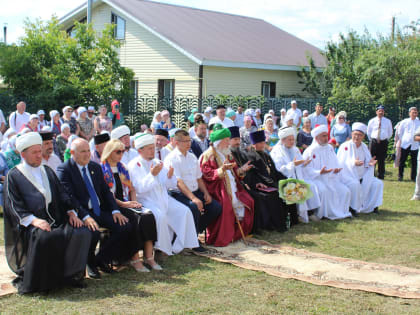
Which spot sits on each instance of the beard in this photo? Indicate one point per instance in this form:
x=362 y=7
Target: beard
x=225 y=151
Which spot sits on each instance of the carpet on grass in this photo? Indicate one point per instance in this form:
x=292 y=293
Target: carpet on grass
x=6 y=276
x=319 y=269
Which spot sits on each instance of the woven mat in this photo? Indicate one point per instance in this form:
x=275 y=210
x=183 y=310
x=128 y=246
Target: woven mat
x=320 y=269
x=6 y=276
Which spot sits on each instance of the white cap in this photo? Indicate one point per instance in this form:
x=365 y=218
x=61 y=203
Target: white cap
x=286 y=131
x=40 y=112
x=27 y=140
x=119 y=132
x=357 y=126
x=142 y=140
x=66 y=108
x=293 y=102
x=318 y=130
x=33 y=116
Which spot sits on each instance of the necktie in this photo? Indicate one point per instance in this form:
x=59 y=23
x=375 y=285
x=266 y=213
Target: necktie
x=92 y=193
x=160 y=156
x=378 y=137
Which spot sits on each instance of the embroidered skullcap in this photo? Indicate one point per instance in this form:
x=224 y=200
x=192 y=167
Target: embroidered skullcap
x=119 y=132
x=143 y=140
x=27 y=140
x=318 y=130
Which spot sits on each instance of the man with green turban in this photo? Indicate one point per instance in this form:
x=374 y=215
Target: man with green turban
x=222 y=178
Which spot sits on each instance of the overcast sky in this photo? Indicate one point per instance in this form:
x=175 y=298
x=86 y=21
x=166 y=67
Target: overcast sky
x=315 y=21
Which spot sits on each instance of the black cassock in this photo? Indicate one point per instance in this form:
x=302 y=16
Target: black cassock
x=42 y=260
x=270 y=210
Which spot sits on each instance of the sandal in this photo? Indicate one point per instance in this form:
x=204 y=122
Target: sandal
x=156 y=266
x=142 y=269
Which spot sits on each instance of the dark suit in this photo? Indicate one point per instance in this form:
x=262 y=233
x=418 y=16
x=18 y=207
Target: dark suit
x=196 y=149
x=72 y=180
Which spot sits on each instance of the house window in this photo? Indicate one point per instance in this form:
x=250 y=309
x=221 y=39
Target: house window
x=119 y=30
x=268 y=89
x=166 y=89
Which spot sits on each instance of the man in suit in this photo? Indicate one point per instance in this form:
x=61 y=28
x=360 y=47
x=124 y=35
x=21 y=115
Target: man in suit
x=84 y=181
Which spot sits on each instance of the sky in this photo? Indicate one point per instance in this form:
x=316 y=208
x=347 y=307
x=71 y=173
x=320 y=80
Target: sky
x=315 y=21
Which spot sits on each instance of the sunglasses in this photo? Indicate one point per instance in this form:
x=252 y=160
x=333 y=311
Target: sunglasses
x=119 y=152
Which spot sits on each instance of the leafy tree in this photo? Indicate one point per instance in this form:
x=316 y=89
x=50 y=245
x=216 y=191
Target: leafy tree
x=51 y=69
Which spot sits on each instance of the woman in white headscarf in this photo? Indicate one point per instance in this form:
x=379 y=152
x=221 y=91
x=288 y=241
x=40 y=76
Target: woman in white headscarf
x=290 y=163
x=341 y=131
x=157 y=118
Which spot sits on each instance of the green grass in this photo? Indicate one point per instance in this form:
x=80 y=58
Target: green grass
x=191 y=285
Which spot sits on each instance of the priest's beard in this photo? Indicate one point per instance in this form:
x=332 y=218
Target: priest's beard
x=225 y=151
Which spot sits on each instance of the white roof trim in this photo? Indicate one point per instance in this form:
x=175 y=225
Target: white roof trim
x=72 y=13
x=247 y=65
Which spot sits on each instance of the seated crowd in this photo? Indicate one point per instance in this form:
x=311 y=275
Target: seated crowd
x=83 y=194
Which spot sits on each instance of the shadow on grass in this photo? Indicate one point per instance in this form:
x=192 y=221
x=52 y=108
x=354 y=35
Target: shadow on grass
x=128 y=282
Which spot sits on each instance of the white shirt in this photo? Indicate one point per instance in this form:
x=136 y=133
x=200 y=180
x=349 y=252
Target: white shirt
x=129 y=155
x=418 y=134
x=186 y=167
x=317 y=120
x=163 y=153
x=296 y=113
x=16 y=120
x=406 y=132
x=239 y=120
x=191 y=131
x=386 y=129
x=227 y=122
x=360 y=154
x=53 y=162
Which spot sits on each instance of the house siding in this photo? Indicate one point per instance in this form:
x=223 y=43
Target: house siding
x=149 y=57
x=239 y=81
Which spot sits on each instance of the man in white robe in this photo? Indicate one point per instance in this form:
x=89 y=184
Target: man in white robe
x=151 y=180
x=324 y=161
x=358 y=173
x=122 y=133
x=290 y=163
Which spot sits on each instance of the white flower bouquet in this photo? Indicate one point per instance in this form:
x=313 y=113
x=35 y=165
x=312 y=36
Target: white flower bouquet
x=293 y=191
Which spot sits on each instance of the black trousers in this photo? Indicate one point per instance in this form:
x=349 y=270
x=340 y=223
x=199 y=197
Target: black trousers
x=403 y=159
x=117 y=247
x=380 y=150
x=202 y=220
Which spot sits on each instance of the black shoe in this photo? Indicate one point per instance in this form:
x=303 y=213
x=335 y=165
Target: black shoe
x=77 y=283
x=200 y=249
x=376 y=210
x=93 y=272
x=354 y=213
x=105 y=267
x=381 y=177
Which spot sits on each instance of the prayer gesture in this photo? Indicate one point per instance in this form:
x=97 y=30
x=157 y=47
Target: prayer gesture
x=298 y=162
x=227 y=165
x=337 y=170
x=170 y=172
x=373 y=161
x=118 y=217
x=357 y=162
x=155 y=169
x=41 y=224
x=246 y=167
x=325 y=171
x=74 y=220
x=307 y=161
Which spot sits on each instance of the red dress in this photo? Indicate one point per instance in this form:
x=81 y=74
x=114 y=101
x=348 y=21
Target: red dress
x=225 y=229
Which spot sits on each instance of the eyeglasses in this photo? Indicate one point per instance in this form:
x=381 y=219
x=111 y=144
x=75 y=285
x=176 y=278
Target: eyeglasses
x=70 y=110
x=119 y=152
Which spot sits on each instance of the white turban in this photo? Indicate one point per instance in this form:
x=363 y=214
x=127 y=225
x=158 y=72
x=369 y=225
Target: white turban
x=318 y=130
x=27 y=140
x=142 y=140
x=357 y=126
x=119 y=132
x=286 y=131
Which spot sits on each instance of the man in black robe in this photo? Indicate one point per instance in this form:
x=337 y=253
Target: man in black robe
x=46 y=245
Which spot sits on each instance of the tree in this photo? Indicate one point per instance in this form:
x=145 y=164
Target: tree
x=50 y=68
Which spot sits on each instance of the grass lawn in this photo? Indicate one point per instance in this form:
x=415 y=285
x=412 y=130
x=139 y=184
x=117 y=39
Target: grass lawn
x=191 y=284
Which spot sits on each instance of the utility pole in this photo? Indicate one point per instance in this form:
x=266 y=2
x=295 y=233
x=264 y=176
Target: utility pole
x=89 y=11
x=5 y=33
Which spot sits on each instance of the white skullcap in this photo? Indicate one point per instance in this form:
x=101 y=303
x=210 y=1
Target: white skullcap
x=286 y=131
x=283 y=110
x=53 y=113
x=318 y=130
x=64 y=126
x=33 y=116
x=91 y=108
x=357 y=126
x=208 y=109
x=142 y=140
x=27 y=140
x=66 y=108
x=119 y=132
x=40 y=112
x=293 y=102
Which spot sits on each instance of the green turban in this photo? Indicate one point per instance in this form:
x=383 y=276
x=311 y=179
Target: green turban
x=219 y=133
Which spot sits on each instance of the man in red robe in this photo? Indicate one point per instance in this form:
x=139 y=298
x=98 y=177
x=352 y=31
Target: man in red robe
x=221 y=176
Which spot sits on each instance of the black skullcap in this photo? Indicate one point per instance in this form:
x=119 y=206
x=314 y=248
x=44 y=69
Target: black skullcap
x=46 y=135
x=102 y=138
x=234 y=132
x=162 y=132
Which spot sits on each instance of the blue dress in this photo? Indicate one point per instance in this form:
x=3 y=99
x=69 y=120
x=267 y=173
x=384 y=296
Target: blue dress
x=341 y=135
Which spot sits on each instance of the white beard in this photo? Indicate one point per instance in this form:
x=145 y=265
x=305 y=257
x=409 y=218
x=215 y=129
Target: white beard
x=225 y=151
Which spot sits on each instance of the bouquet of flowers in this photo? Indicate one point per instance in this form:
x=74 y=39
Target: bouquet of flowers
x=293 y=190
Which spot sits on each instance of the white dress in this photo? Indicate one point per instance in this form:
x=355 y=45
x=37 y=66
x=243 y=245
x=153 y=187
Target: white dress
x=171 y=216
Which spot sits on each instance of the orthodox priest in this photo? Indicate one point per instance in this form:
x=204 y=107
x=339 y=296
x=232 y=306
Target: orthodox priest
x=46 y=245
x=222 y=178
x=358 y=172
x=324 y=161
